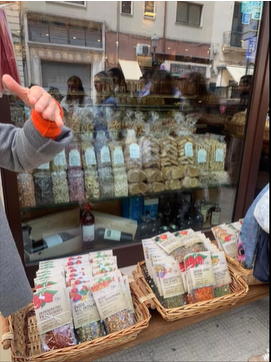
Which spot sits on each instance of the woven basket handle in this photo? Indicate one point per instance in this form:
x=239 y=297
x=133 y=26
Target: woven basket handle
x=144 y=295
x=7 y=336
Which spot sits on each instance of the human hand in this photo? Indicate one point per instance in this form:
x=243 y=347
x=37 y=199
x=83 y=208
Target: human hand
x=36 y=98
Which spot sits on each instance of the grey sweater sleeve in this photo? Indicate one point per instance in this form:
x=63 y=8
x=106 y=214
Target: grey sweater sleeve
x=20 y=149
x=23 y=149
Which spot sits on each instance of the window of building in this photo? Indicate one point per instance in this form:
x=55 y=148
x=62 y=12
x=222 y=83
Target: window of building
x=63 y=32
x=126 y=7
x=149 y=10
x=189 y=13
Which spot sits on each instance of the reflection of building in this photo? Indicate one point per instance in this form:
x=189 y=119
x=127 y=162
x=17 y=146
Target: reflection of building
x=63 y=38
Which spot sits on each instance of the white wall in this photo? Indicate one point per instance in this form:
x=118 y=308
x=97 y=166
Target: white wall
x=186 y=32
x=103 y=11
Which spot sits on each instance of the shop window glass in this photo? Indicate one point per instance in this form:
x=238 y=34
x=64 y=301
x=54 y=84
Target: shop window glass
x=149 y=9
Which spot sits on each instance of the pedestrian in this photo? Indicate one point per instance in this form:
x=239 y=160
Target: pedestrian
x=40 y=139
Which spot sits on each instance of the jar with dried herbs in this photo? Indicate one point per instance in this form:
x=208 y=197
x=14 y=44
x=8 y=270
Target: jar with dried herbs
x=60 y=187
x=76 y=185
x=26 y=190
x=43 y=188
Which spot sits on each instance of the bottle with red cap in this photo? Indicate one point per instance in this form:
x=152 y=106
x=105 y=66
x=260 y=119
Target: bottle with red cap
x=87 y=223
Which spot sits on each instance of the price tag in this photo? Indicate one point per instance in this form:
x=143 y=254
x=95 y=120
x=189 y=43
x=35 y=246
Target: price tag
x=201 y=156
x=90 y=157
x=105 y=154
x=219 y=155
x=118 y=157
x=134 y=150
x=188 y=149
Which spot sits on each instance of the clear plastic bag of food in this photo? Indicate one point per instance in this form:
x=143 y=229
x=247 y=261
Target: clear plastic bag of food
x=60 y=337
x=43 y=188
x=26 y=190
x=76 y=185
x=59 y=163
x=60 y=187
x=106 y=182
x=74 y=154
x=88 y=153
x=92 y=186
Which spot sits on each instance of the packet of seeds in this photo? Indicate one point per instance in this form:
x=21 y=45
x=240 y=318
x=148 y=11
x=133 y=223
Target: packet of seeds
x=171 y=282
x=54 y=320
x=129 y=301
x=99 y=254
x=86 y=318
x=167 y=241
x=111 y=302
x=199 y=276
x=221 y=273
x=105 y=265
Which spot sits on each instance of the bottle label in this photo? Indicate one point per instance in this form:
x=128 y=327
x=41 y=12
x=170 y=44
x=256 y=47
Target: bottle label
x=88 y=233
x=219 y=155
x=215 y=218
x=60 y=159
x=110 y=234
x=74 y=158
x=134 y=150
x=105 y=155
x=53 y=240
x=90 y=157
x=118 y=157
x=204 y=213
x=201 y=156
x=188 y=149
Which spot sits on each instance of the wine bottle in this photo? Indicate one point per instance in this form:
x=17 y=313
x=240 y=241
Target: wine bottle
x=112 y=235
x=87 y=222
x=50 y=241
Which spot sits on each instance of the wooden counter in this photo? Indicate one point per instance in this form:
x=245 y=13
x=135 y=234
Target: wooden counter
x=159 y=327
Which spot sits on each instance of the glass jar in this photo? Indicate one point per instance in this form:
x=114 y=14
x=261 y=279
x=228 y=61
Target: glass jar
x=26 y=190
x=60 y=187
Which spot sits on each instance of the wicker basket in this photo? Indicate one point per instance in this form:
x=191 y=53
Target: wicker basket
x=21 y=324
x=238 y=287
x=236 y=124
x=246 y=274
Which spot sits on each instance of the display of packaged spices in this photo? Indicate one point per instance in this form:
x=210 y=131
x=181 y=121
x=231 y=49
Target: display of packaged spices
x=132 y=152
x=202 y=155
x=54 y=320
x=92 y=186
x=59 y=162
x=199 y=276
x=26 y=190
x=76 y=184
x=60 y=187
x=111 y=302
x=86 y=318
x=43 y=188
x=129 y=301
x=102 y=150
x=106 y=265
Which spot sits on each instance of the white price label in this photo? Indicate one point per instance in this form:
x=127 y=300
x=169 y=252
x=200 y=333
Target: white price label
x=134 y=150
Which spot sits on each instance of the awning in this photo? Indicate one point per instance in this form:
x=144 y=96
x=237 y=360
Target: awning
x=130 y=69
x=237 y=72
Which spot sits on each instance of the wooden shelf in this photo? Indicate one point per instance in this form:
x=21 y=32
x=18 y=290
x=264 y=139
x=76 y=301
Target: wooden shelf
x=159 y=327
